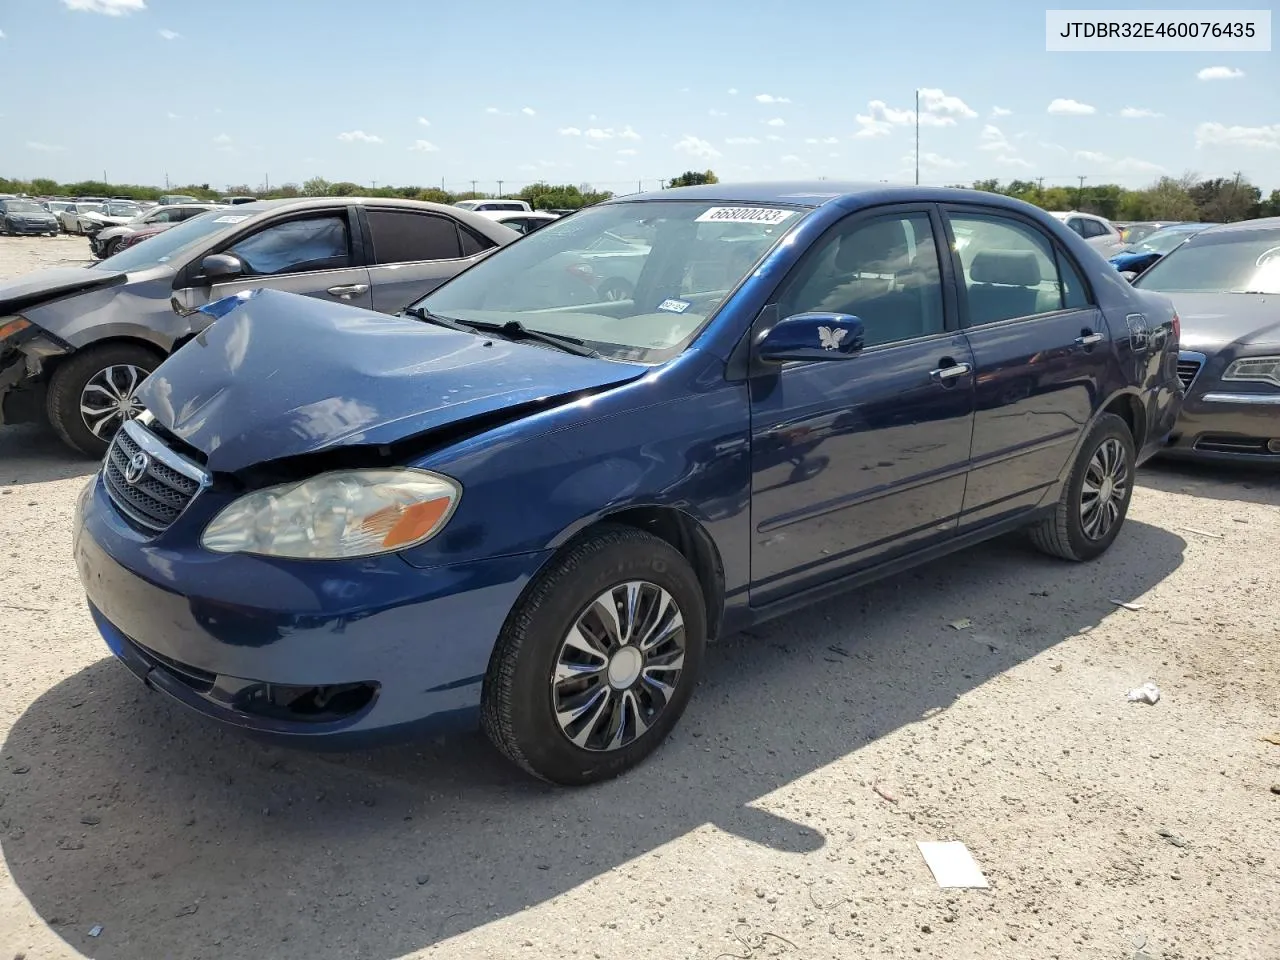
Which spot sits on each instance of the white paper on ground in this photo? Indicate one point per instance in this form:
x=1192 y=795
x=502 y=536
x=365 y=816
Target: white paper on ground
x=952 y=864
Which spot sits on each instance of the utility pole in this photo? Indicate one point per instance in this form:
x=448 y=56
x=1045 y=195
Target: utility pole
x=917 y=136
x=639 y=186
x=499 y=189
x=1039 y=186
x=473 y=186
x=1080 y=194
x=442 y=189
x=166 y=182
x=266 y=177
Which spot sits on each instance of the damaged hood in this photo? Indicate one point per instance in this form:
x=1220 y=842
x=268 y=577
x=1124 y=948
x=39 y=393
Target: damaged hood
x=35 y=288
x=280 y=375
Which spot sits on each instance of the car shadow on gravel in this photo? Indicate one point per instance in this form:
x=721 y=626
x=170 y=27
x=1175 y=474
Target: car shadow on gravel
x=183 y=840
x=1214 y=481
x=32 y=453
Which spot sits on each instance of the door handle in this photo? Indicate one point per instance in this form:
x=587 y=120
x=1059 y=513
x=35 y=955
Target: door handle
x=943 y=374
x=1089 y=339
x=349 y=290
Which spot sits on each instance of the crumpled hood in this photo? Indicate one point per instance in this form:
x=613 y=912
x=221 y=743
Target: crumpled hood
x=35 y=288
x=1213 y=320
x=278 y=375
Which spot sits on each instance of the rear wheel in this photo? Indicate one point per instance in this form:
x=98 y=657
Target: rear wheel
x=598 y=661
x=94 y=392
x=1095 y=499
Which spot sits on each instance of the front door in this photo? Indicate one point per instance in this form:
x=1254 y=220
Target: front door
x=1041 y=350
x=856 y=461
x=309 y=253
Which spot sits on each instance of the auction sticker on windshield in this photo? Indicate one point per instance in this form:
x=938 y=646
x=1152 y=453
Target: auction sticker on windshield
x=744 y=215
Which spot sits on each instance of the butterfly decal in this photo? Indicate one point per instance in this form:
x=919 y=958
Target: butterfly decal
x=830 y=338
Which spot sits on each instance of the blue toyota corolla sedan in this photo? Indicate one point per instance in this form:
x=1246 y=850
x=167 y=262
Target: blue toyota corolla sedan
x=519 y=505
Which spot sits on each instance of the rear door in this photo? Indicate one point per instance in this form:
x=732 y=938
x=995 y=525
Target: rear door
x=313 y=252
x=1041 y=350
x=413 y=252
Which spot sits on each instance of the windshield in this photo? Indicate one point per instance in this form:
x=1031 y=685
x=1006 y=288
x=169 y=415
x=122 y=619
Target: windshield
x=21 y=206
x=1235 y=261
x=160 y=248
x=634 y=281
x=1162 y=241
x=123 y=209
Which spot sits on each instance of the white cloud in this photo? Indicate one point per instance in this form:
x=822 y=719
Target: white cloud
x=733 y=91
x=424 y=146
x=529 y=111
x=1134 y=165
x=1 y=34
x=696 y=148
x=570 y=132
x=1219 y=134
x=774 y=138
x=492 y=111
x=994 y=139
x=1013 y=162
x=595 y=133
x=1001 y=112
x=591 y=146
x=939 y=162
x=880 y=118
x=526 y=168
x=359 y=136
x=1219 y=73
x=619 y=163
x=791 y=158
x=1071 y=107
x=592 y=118
x=110 y=8
x=627 y=153
x=43 y=147
x=169 y=34
x=776 y=122
x=740 y=141
x=222 y=138
x=174 y=116
x=1138 y=113
x=717 y=113
x=770 y=98
x=936 y=102
x=1092 y=156
x=827 y=140
x=1056 y=147
x=626 y=133
x=424 y=122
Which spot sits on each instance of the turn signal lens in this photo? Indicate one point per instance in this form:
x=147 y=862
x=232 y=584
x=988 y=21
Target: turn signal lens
x=10 y=326
x=338 y=515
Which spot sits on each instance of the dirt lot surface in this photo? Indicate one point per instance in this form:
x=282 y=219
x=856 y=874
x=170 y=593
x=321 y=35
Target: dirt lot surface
x=1106 y=829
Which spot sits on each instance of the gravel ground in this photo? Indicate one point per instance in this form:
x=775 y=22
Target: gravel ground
x=1106 y=829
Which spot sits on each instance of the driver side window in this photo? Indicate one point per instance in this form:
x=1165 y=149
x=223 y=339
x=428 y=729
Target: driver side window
x=883 y=271
x=296 y=246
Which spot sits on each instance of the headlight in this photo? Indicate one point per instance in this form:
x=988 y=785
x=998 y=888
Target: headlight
x=1255 y=370
x=12 y=326
x=346 y=513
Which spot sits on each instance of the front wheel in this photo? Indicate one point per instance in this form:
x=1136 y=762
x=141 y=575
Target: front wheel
x=1095 y=498
x=598 y=660
x=94 y=392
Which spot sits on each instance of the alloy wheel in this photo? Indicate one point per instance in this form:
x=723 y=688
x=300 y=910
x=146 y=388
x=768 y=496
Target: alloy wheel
x=1105 y=487
x=109 y=398
x=618 y=666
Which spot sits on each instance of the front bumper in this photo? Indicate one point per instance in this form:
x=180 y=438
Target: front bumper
x=1226 y=422
x=30 y=229
x=215 y=632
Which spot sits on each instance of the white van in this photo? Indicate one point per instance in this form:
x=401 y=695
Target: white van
x=482 y=205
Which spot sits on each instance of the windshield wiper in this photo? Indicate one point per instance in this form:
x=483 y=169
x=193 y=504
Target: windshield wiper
x=421 y=313
x=515 y=330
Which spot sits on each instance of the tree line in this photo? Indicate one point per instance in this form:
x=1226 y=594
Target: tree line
x=1218 y=200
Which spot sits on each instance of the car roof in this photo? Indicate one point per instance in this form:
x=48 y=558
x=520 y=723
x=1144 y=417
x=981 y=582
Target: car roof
x=1241 y=226
x=500 y=215
x=306 y=203
x=816 y=193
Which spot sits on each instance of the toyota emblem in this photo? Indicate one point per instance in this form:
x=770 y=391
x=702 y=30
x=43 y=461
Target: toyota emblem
x=136 y=468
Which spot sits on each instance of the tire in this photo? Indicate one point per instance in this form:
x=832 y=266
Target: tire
x=68 y=383
x=614 y=289
x=110 y=248
x=521 y=696
x=1067 y=533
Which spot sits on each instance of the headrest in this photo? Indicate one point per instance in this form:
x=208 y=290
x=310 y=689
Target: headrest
x=876 y=244
x=1015 y=268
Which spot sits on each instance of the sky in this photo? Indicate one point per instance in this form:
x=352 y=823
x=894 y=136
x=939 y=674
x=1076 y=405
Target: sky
x=617 y=95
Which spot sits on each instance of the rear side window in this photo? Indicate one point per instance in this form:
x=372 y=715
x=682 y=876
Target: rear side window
x=1095 y=228
x=472 y=242
x=1009 y=269
x=401 y=236
x=296 y=246
x=1075 y=295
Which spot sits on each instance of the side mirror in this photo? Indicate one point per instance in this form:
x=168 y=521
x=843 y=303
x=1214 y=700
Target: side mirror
x=221 y=266
x=812 y=336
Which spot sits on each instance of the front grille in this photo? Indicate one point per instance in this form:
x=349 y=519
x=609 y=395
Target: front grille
x=1188 y=369
x=155 y=499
